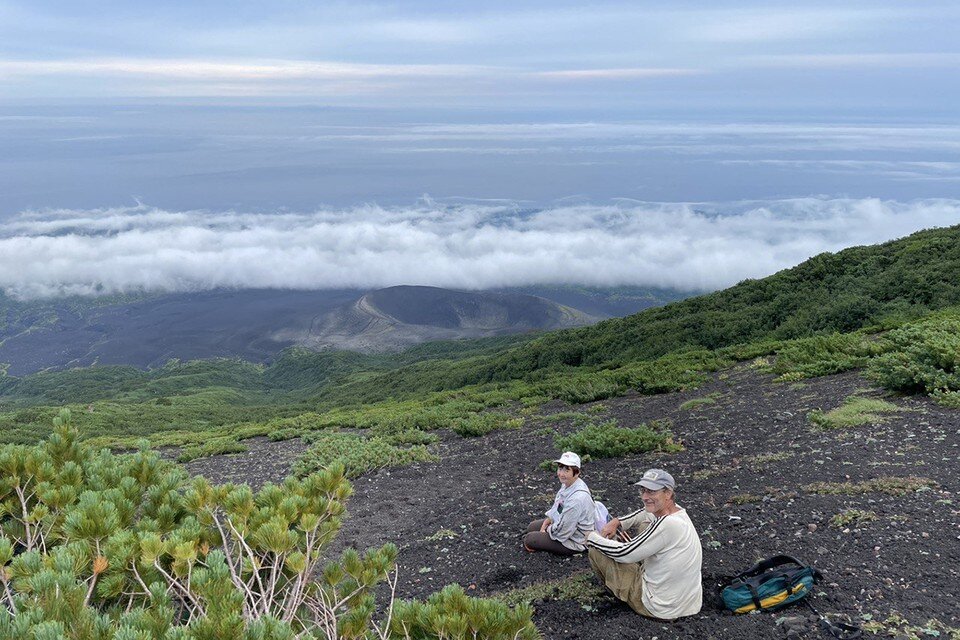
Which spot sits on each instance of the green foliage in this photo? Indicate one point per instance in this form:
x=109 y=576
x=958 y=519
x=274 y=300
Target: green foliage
x=852 y=517
x=696 y=403
x=892 y=485
x=855 y=411
x=357 y=454
x=607 y=440
x=452 y=615
x=824 y=355
x=921 y=357
x=217 y=446
x=480 y=424
x=581 y=587
x=98 y=546
x=797 y=315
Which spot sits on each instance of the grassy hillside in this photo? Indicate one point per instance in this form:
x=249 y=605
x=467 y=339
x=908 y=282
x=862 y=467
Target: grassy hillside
x=859 y=287
x=654 y=351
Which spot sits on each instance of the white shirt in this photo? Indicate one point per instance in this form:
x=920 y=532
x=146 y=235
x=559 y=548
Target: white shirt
x=672 y=557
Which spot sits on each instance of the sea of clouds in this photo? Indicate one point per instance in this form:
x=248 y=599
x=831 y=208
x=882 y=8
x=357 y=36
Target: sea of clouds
x=688 y=246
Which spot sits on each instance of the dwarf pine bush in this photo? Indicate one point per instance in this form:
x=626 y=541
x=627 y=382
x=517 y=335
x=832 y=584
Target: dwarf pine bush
x=607 y=440
x=923 y=357
x=357 y=454
x=97 y=546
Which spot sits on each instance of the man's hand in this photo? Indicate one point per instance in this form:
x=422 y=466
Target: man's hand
x=546 y=523
x=609 y=530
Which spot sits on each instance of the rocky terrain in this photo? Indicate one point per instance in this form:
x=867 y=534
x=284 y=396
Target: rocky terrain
x=874 y=507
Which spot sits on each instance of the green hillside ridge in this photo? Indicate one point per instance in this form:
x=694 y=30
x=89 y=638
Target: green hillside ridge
x=798 y=314
x=875 y=285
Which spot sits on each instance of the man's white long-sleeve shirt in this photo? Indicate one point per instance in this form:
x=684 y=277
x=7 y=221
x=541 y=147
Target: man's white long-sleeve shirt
x=672 y=557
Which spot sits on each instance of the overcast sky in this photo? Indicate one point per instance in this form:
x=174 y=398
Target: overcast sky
x=505 y=54
x=286 y=121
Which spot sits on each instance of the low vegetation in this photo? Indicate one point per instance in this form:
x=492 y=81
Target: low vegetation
x=852 y=517
x=696 y=403
x=357 y=454
x=854 y=412
x=607 y=440
x=892 y=485
x=97 y=546
x=581 y=587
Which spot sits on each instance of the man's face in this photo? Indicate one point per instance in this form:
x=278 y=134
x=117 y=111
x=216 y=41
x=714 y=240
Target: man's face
x=656 y=500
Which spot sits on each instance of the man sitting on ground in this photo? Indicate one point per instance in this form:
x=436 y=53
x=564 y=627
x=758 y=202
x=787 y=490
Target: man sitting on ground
x=657 y=570
x=571 y=517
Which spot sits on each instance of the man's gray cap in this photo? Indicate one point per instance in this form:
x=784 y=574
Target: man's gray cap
x=656 y=479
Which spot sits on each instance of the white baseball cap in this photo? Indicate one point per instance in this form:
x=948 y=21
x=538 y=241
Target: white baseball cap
x=569 y=459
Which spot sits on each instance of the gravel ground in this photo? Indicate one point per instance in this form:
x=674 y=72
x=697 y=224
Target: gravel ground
x=746 y=458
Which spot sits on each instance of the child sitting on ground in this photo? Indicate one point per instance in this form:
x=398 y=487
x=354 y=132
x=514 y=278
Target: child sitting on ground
x=572 y=516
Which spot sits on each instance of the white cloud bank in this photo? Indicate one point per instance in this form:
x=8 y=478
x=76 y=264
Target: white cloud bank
x=697 y=246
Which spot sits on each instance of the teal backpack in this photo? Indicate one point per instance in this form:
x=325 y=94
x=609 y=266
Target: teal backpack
x=769 y=584
x=776 y=582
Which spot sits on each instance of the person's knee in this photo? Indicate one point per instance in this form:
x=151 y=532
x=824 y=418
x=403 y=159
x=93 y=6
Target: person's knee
x=534 y=526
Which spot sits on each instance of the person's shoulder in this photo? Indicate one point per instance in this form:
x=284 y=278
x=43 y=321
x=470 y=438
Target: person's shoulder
x=580 y=491
x=679 y=518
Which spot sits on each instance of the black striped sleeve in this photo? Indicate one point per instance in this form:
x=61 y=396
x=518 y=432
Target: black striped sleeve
x=620 y=551
x=631 y=515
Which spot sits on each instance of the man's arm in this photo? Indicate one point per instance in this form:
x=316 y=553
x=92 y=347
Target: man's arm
x=653 y=539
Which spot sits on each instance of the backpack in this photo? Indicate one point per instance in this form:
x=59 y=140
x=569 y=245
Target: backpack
x=769 y=584
x=774 y=583
x=603 y=516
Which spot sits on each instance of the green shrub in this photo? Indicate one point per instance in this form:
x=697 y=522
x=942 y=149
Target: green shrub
x=411 y=437
x=923 y=357
x=219 y=446
x=582 y=390
x=97 y=546
x=823 y=355
x=949 y=399
x=480 y=424
x=607 y=440
x=451 y=615
x=357 y=454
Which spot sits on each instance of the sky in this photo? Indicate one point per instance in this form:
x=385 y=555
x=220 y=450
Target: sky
x=450 y=118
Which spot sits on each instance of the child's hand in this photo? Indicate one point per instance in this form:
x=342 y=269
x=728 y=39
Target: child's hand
x=546 y=523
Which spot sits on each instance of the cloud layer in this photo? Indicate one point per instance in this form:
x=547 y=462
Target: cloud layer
x=691 y=246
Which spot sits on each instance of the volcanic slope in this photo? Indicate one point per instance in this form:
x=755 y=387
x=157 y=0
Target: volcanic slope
x=873 y=506
x=398 y=317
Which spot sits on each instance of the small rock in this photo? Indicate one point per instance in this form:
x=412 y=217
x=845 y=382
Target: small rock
x=811 y=527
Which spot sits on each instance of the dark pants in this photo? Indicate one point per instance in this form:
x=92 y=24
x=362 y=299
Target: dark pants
x=541 y=541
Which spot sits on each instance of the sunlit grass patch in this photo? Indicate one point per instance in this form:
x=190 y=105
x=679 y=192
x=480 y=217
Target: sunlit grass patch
x=699 y=402
x=854 y=412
